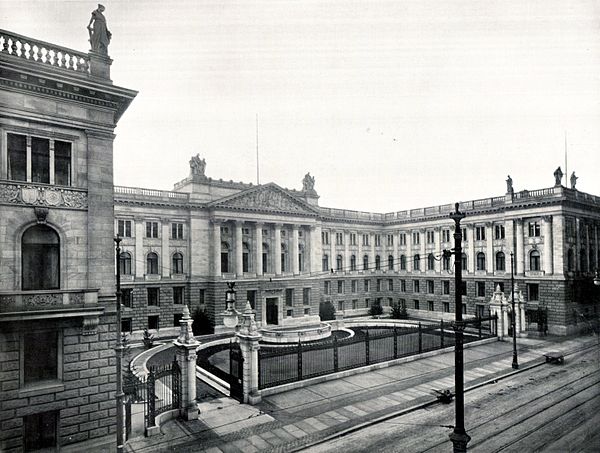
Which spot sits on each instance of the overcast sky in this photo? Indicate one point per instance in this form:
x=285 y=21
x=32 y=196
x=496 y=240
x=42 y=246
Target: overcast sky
x=389 y=104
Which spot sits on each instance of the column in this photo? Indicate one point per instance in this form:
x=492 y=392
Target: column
x=259 y=248
x=216 y=248
x=547 y=232
x=396 y=251
x=295 y=251
x=519 y=255
x=140 y=259
x=277 y=249
x=248 y=337
x=489 y=248
x=239 y=262
x=51 y=161
x=315 y=248
x=359 y=252
x=332 y=250
x=185 y=354
x=409 y=252
x=346 y=251
x=422 y=252
x=28 y=157
x=372 y=252
x=165 y=255
x=438 y=249
x=471 y=262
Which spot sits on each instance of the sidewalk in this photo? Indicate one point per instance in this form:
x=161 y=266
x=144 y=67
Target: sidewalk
x=300 y=417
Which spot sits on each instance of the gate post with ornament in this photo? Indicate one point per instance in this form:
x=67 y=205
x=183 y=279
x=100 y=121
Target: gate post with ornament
x=186 y=346
x=248 y=338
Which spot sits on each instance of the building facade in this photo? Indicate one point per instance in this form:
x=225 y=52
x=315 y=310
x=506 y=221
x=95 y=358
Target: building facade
x=58 y=111
x=288 y=255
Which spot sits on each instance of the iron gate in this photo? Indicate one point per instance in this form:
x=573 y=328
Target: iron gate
x=163 y=389
x=236 y=366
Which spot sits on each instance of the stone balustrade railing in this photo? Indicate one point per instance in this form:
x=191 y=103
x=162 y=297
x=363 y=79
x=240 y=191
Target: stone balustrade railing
x=42 y=300
x=36 y=51
x=151 y=193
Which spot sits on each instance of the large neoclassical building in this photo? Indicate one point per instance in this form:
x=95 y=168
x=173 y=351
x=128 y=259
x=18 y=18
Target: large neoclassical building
x=287 y=255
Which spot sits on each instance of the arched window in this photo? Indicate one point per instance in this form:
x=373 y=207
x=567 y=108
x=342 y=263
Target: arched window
x=403 y=262
x=339 y=263
x=284 y=258
x=353 y=262
x=416 y=263
x=245 y=257
x=265 y=258
x=377 y=262
x=464 y=262
x=325 y=263
x=534 y=260
x=430 y=262
x=481 y=261
x=40 y=258
x=177 y=266
x=500 y=261
x=446 y=263
x=570 y=260
x=125 y=263
x=152 y=263
x=391 y=262
x=224 y=257
x=365 y=263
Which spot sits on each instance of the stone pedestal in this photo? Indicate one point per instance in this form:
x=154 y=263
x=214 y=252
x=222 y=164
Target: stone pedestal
x=248 y=337
x=100 y=65
x=185 y=353
x=520 y=324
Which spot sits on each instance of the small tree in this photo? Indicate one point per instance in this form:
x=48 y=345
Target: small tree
x=202 y=324
x=148 y=339
x=376 y=310
x=399 y=312
x=326 y=311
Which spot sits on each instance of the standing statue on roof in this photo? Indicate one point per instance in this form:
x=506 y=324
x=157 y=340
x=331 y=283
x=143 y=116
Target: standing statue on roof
x=509 y=185
x=99 y=34
x=308 y=183
x=197 y=165
x=573 y=180
x=558 y=174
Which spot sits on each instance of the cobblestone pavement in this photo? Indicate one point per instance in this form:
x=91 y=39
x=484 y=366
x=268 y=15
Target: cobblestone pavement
x=298 y=418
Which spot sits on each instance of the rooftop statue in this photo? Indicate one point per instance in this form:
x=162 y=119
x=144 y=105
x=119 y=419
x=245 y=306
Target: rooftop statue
x=308 y=183
x=509 y=185
x=573 y=180
x=558 y=174
x=197 y=165
x=99 y=34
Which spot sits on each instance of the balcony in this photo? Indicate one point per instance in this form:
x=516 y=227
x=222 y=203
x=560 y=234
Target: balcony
x=52 y=304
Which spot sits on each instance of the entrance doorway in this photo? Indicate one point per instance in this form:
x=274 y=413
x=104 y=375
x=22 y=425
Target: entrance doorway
x=272 y=313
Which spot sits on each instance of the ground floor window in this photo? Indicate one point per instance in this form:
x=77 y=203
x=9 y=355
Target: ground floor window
x=40 y=430
x=153 y=322
x=126 y=325
x=446 y=307
x=176 y=318
x=40 y=356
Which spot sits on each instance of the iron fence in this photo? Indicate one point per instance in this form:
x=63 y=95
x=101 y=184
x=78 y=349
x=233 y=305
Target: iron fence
x=283 y=365
x=163 y=387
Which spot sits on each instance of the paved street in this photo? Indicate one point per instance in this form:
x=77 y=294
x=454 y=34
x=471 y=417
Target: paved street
x=549 y=408
x=363 y=409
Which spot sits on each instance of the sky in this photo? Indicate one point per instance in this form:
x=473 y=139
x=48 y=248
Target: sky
x=390 y=105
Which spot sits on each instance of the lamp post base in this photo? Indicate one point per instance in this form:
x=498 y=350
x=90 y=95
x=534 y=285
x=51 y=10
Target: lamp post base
x=459 y=441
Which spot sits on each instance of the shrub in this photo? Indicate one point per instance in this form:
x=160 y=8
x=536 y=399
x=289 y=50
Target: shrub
x=399 y=312
x=148 y=339
x=326 y=311
x=376 y=310
x=202 y=324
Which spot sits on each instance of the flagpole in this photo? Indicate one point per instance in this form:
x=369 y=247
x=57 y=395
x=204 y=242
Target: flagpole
x=257 y=162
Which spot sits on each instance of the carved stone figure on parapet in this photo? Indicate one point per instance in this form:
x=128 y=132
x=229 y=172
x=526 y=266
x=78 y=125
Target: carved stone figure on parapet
x=509 y=185
x=308 y=183
x=558 y=174
x=573 y=180
x=197 y=166
x=99 y=34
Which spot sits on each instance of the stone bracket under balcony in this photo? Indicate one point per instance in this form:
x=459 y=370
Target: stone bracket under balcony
x=52 y=304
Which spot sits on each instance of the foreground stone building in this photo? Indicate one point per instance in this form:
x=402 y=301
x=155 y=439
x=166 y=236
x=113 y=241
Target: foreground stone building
x=58 y=111
x=288 y=255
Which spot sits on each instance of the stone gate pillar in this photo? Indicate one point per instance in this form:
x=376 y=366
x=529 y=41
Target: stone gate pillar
x=248 y=337
x=185 y=347
x=499 y=306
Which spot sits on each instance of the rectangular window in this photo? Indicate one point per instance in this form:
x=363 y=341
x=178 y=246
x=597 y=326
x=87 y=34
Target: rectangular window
x=390 y=240
x=124 y=228
x=430 y=305
x=367 y=283
x=430 y=286
x=251 y=297
x=201 y=294
x=289 y=297
x=127 y=297
x=352 y=238
x=40 y=431
x=430 y=237
x=377 y=240
x=40 y=160
x=153 y=322
x=340 y=285
x=367 y=302
x=416 y=286
x=176 y=318
x=289 y=313
x=151 y=229
x=534 y=229
x=480 y=289
x=62 y=163
x=306 y=296
x=153 y=296
x=464 y=234
x=126 y=325
x=480 y=233
x=446 y=307
x=354 y=286
x=446 y=287
x=40 y=356
x=390 y=284
x=354 y=304
x=403 y=286
x=339 y=238
x=402 y=302
x=325 y=237
x=178 y=295
x=17 y=157
x=177 y=231
x=402 y=238
x=365 y=239
x=480 y=310
x=463 y=288
x=446 y=235
x=416 y=238
x=378 y=285
x=533 y=291
x=341 y=305
x=499 y=232
x=327 y=287
x=416 y=304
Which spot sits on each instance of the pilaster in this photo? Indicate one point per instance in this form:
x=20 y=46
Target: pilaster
x=259 y=248
x=164 y=245
x=216 y=223
x=547 y=232
x=140 y=259
x=185 y=354
x=519 y=252
x=239 y=266
x=277 y=249
x=295 y=251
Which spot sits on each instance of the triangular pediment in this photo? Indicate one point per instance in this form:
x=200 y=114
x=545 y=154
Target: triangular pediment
x=267 y=198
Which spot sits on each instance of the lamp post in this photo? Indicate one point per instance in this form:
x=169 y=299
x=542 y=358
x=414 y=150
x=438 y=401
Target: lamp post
x=230 y=315
x=515 y=362
x=119 y=352
x=459 y=436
